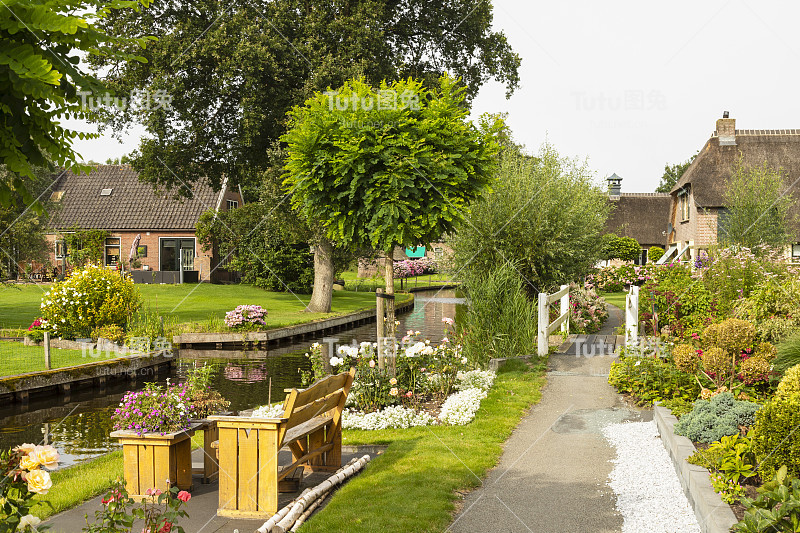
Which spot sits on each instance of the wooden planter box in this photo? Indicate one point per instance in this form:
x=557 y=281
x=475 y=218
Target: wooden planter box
x=154 y=461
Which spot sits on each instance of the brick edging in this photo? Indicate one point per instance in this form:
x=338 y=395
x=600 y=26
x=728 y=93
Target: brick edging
x=714 y=515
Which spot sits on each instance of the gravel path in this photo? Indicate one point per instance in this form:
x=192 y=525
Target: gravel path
x=649 y=495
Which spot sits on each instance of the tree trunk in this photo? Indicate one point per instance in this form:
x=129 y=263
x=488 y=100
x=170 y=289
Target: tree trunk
x=323 y=278
x=391 y=328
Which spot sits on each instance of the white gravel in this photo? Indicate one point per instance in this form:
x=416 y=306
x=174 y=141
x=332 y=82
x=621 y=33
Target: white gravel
x=649 y=495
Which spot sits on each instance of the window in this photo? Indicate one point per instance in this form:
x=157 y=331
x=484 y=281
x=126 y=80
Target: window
x=106 y=192
x=141 y=251
x=796 y=253
x=61 y=249
x=112 y=251
x=642 y=259
x=684 y=206
x=232 y=204
x=438 y=253
x=171 y=252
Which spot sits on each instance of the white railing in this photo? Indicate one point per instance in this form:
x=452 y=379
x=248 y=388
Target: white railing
x=545 y=326
x=632 y=316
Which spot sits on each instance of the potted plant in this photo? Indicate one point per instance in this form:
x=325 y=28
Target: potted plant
x=155 y=429
x=205 y=401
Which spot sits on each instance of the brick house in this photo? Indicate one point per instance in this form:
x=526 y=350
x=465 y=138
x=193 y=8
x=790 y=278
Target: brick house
x=697 y=200
x=112 y=198
x=641 y=216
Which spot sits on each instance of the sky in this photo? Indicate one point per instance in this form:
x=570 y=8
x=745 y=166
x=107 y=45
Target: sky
x=630 y=86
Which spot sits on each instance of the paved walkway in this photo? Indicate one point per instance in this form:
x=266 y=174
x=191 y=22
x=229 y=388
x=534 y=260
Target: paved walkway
x=552 y=475
x=202 y=508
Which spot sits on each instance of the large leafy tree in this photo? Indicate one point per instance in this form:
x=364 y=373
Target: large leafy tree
x=42 y=80
x=672 y=174
x=233 y=69
x=397 y=166
x=545 y=216
x=758 y=208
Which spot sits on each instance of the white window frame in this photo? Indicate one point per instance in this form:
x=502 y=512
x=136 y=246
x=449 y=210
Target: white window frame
x=795 y=253
x=105 y=250
x=683 y=206
x=232 y=204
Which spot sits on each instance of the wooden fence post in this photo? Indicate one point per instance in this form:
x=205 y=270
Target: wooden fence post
x=632 y=315
x=543 y=343
x=565 y=309
x=47 y=350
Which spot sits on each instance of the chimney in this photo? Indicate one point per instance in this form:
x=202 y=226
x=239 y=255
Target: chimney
x=726 y=130
x=614 y=186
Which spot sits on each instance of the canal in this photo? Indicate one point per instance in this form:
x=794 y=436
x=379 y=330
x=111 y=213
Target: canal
x=79 y=429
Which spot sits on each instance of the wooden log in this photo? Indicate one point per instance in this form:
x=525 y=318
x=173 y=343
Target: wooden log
x=273 y=521
x=297 y=509
x=310 y=510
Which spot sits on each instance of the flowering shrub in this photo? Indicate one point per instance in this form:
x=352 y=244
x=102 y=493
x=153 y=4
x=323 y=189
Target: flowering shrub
x=587 y=310
x=36 y=330
x=157 y=513
x=460 y=408
x=414 y=267
x=246 y=316
x=392 y=417
x=22 y=477
x=154 y=409
x=619 y=278
x=475 y=379
x=268 y=411
x=89 y=298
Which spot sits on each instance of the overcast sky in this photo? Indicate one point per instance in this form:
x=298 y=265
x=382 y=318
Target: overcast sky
x=632 y=85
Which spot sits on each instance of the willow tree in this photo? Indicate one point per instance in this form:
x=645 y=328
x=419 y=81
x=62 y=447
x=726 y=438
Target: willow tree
x=386 y=167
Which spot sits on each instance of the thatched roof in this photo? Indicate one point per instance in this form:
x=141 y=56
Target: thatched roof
x=641 y=216
x=111 y=197
x=709 y=172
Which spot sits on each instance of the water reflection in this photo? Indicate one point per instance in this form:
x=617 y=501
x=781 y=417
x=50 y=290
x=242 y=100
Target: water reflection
x=80 y=428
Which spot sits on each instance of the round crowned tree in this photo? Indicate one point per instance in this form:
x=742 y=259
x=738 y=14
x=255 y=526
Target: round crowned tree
x=393 y=166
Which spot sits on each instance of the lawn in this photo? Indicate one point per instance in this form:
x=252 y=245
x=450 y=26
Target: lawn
x=614 y=298
x=192 y=303
x=415 y=483
x=16 y=358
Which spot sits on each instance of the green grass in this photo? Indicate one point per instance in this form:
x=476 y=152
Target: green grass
x=414 y=484
x=615 y=298
x=193 y=303
x=74 y=485
x=16 y=358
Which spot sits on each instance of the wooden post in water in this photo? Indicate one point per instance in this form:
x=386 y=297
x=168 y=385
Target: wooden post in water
x=47 y=350
x=379 y=320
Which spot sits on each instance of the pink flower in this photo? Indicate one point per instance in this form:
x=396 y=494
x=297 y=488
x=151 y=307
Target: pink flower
x=448 y=321
x=152 y=492
x=372 y=363
x=184 y=496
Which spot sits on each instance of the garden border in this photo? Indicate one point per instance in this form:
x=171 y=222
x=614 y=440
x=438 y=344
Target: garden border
x=714 y=515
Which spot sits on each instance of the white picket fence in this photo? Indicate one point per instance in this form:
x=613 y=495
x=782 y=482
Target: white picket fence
x=545 y=326
x=632 y=316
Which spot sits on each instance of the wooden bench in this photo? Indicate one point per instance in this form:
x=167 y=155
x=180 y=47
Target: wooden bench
x=248 y=447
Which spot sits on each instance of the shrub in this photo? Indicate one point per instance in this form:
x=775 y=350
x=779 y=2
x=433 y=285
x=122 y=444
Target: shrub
x=774 y=306
x=730 y=461
x=623 y=248
x=154 y=409
x=710 y=420
x=733 y=274
x=775 y=436
x=652 y=380
x=717 y=364
x=587 y=310
x=89 y=298
x=111 y=332
x=777 y=508
x=685 y=358
x=732 y=335
x=246 y=317
x=654 y=254
x=754 y=369
x=790 y=383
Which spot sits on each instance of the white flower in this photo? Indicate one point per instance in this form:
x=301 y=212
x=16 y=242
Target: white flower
x=460 y=408
x=28 y=520
x=391 y=417
x=463 y=360
x=336 y=361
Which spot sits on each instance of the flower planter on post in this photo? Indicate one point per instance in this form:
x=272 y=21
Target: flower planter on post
x=155 y=461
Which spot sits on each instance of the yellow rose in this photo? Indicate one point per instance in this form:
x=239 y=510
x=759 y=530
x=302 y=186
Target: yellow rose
x=38 y=481
x=25 y=448
x=29 y=463
x=28 y=520
x=393 y=381
x=46 y=456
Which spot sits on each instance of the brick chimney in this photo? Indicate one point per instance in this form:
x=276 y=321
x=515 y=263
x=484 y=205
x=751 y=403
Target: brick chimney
x=614 y=186
x=726 y=130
